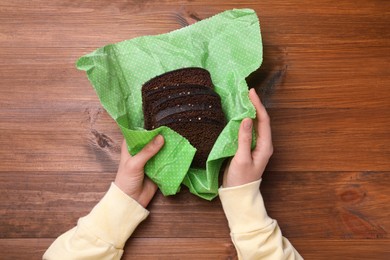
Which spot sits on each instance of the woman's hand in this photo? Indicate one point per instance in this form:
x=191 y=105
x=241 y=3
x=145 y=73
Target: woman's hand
x=131 y=177
x=247 y=165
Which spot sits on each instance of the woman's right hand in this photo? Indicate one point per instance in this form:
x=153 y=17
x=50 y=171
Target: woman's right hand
x=248 y=165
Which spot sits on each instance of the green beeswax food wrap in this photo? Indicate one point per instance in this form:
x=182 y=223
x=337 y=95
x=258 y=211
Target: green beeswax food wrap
x=228 y=45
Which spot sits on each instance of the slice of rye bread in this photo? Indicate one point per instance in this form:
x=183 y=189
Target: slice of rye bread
x=185 y=101
x=155 y=87
x=181 y=76
x=191 y=99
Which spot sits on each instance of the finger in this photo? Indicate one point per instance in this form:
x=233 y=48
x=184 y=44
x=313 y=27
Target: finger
x=262 y=127
x=245 y=140
x=150 y=150
x=150 y=186
x=148 y=190
x=225 y=173
x=124 y=151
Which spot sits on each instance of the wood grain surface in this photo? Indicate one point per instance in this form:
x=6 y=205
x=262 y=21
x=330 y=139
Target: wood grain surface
x=325 y=81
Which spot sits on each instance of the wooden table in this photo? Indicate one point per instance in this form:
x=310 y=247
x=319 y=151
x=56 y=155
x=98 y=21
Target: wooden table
x=325 y=80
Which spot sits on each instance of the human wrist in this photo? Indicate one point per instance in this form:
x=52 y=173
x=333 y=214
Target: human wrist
x=231 y=183
x=130 y=192
x=126 y=191
x=234 y=177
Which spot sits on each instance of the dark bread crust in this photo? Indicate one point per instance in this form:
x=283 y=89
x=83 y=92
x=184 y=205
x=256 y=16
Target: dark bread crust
x=185 y=101
x=192 y=75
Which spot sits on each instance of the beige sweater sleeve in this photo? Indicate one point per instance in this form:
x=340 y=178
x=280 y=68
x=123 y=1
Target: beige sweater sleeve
x=101 y=234
x=254 y=234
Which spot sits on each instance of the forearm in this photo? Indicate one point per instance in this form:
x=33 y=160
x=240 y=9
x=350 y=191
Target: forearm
x=254 y=234
x=103 y=232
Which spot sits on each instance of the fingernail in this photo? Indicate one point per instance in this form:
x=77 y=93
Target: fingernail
x=158 y=140
x=248 y=124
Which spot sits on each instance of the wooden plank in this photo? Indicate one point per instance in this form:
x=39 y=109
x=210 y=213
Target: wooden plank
x=304 y=81
x=304 y=139
x=103 y=23
x=69 y=196
x=338 y=205
x=294 y=77
x=353 y=249
x=330 y=139
x=154 y=248
x=222 y=248
x=331 y=205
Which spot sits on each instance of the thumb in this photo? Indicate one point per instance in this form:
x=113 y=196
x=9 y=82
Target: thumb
x=245 y=139
x=150 y=150
x=124 y=152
